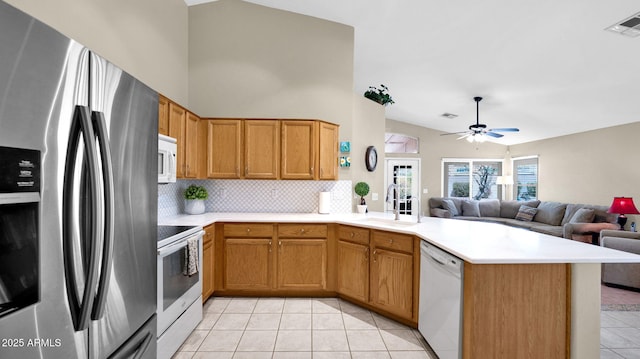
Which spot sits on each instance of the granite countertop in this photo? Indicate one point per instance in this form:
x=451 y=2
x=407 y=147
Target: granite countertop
x=474 y=242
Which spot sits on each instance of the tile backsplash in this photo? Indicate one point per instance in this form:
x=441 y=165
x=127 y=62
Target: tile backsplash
x=257 y=196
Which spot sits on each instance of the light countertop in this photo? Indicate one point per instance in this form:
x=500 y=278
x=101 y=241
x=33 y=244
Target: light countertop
x=474 y=242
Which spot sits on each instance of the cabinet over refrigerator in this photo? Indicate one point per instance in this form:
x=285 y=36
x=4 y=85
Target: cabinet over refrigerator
x=78 y=200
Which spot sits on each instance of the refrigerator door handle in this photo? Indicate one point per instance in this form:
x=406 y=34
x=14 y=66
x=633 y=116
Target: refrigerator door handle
x=80 y=308
x=100 y=127
x=136 y=347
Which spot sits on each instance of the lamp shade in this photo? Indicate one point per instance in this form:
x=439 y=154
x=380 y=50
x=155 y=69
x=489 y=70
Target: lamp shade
x=623 y=205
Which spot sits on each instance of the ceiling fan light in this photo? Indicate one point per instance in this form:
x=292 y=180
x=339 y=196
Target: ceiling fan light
x=470 y=138
x=481 y=138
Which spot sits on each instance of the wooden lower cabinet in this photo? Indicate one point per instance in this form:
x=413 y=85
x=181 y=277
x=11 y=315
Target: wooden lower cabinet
x=247 y=263
x=392 y=282
x=302 y=264
x=207 y=262
x=353 y=270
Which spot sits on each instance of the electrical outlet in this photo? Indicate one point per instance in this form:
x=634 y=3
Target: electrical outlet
x=374 y=196
x=425 y=190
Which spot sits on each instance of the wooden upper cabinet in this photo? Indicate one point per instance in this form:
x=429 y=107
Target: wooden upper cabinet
x=328 y=151
x=261 y=149
x=177 y=130
x=225 y=143
x=163 y=115
x=191 y=146
x=298 y=149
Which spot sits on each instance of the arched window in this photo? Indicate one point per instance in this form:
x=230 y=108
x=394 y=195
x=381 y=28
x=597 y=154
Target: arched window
x=399 y=143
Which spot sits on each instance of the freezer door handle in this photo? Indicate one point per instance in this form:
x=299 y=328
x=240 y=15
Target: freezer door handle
x=136 y=347
x=73 y=224
x=100 y=127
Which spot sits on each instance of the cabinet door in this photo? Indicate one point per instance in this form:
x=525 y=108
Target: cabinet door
x=207 y=263
x=224 y=148
x=298 y=149
x=392 y=281
x=328 y=153
x=177 y=130
x=262 y=149
x=302 y=264
x=191 y=145
x=163 y=115
x=247 y=263
x=353 y=270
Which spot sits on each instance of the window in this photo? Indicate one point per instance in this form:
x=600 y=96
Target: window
x=471 y=178
x=525 y=178
x=397 y=143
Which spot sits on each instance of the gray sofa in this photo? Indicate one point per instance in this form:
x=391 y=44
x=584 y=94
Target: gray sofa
x=621 y=274
x=573 y=221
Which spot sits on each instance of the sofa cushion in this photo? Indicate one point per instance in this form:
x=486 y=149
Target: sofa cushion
x=550 y=213
x=489 y=208
x=470 y=208
x=601 y=214
x=547 y=229
x=526 y=213
x=450 y=206
x=583 y=215
x=509 y=209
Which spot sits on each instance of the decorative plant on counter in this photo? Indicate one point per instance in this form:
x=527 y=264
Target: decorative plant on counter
x=379 y=95
x=195 y=196
x=362 y=189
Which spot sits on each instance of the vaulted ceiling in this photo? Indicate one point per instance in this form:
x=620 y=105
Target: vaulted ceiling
x=546 y=67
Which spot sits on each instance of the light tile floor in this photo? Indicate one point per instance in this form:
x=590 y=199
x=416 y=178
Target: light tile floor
x=298 y=328
x=619 y=330
x=332 y=328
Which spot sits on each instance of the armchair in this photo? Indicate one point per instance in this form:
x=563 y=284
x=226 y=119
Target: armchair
x=621 y=274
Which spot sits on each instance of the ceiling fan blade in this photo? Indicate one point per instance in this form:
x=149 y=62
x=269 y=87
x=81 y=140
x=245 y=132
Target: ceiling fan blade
x=508 y=129
x=493 y=134
x=454 y=133
x=463 y=136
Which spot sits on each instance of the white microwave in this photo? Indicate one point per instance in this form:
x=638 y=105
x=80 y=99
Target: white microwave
x=167 y=156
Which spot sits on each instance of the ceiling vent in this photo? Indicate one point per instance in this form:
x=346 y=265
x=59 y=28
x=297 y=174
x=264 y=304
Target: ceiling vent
x=449 y=115
x=628 y=27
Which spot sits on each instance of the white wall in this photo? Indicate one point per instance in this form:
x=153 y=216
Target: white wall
x=247 y=60
x=147 y=38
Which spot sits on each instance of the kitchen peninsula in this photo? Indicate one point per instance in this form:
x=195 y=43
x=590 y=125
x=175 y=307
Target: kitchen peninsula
x=524 y=293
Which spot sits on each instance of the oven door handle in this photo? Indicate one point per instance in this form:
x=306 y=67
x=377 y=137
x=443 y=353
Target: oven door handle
x=176 y=246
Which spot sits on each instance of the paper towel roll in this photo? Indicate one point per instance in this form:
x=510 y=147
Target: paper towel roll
x=324 y=205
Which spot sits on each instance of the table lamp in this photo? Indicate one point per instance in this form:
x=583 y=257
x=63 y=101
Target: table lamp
x=622 y=206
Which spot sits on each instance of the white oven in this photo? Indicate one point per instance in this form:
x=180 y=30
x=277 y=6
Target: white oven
x=167 y=152
x=179 y=294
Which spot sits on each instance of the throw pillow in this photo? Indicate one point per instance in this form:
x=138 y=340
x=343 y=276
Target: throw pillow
x=583 y=215
x=550 y=213
x=470 y=208
x=450 y=206
x=526 y=213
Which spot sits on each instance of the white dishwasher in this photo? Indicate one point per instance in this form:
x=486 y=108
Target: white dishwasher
x=440 y=309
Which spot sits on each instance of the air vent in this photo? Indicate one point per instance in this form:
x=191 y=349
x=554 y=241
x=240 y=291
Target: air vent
x=628 y=27
x=449 y=115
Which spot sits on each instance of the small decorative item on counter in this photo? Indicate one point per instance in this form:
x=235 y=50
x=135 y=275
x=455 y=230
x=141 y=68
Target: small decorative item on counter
x=379 y=95
x=195 y=196
x=362 y=189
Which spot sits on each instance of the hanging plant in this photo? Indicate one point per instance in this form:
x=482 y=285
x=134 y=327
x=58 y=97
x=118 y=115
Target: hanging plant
x=379 y=95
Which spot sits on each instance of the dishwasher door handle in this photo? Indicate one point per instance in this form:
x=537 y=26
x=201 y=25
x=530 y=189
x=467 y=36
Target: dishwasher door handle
x=437 y=259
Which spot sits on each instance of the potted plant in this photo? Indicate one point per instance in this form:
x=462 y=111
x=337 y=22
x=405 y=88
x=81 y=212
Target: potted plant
x=362 y=189
x=195 y=196
x=379 y=95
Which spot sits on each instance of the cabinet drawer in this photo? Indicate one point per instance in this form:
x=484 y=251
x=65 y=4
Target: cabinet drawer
x=302 y=230
x=248 y=230
x=393 y=241
x=354 y=234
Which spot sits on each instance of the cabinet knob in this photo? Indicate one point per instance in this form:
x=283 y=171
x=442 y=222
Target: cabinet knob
x=352 y=234
x=269 y=246
x=391 y=241
x=248 y=230
x=301 y=230
x=375 y=251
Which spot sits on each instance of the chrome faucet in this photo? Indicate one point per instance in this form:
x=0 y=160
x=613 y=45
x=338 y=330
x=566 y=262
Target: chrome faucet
x=412 y=199
x=396 y=209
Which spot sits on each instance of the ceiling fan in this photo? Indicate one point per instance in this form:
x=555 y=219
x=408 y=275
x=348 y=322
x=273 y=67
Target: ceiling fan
x=477 y=131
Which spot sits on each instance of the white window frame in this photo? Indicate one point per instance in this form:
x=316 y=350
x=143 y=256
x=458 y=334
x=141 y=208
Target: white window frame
x=470 y=161
x=514 y=190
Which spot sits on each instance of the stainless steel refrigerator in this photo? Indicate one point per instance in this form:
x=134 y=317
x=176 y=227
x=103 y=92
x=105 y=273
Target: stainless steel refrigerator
x=91 y=263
